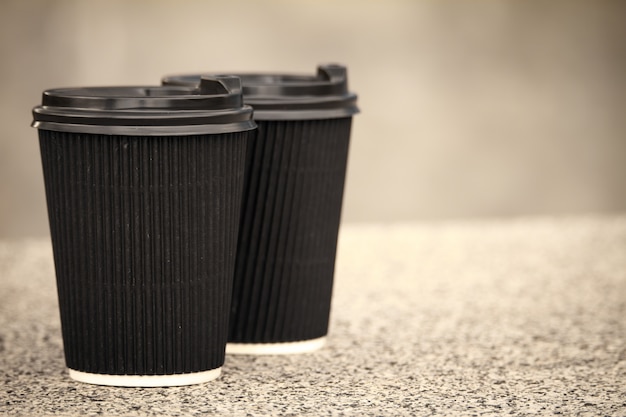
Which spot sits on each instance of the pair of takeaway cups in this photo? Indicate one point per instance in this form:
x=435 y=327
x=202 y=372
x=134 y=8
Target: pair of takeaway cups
x=183 y=228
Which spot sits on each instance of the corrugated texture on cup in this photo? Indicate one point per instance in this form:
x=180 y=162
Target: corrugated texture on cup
x=144 y=233
x=288 y=234
x=144 y=226
x=295 y=173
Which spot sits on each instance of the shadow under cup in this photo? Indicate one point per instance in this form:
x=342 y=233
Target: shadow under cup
x=143 y=186
x=291 y=209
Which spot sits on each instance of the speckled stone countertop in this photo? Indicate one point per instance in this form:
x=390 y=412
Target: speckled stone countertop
x=519 y=317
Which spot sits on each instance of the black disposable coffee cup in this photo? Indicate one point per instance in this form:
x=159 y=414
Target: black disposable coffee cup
x=295 y=174
x=143 y=187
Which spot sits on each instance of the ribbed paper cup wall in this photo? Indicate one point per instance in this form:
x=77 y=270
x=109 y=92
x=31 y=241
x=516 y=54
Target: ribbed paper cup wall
x=144 y=233
x=289 y=225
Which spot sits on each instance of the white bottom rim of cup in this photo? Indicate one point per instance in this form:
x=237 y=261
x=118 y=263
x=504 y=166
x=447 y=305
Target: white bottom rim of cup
x=284 y=348
x=172 y=380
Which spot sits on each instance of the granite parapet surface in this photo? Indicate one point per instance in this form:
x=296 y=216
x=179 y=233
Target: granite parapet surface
x=491 y=317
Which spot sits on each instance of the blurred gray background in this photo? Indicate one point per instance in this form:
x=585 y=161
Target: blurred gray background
x=469 y=109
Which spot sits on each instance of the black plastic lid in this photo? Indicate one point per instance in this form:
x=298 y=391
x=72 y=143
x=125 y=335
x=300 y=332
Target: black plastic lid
x=291 y=97
x=214 y=105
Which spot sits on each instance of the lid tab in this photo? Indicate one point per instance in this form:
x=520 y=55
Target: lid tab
x=220 y=84
x=333 y=72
